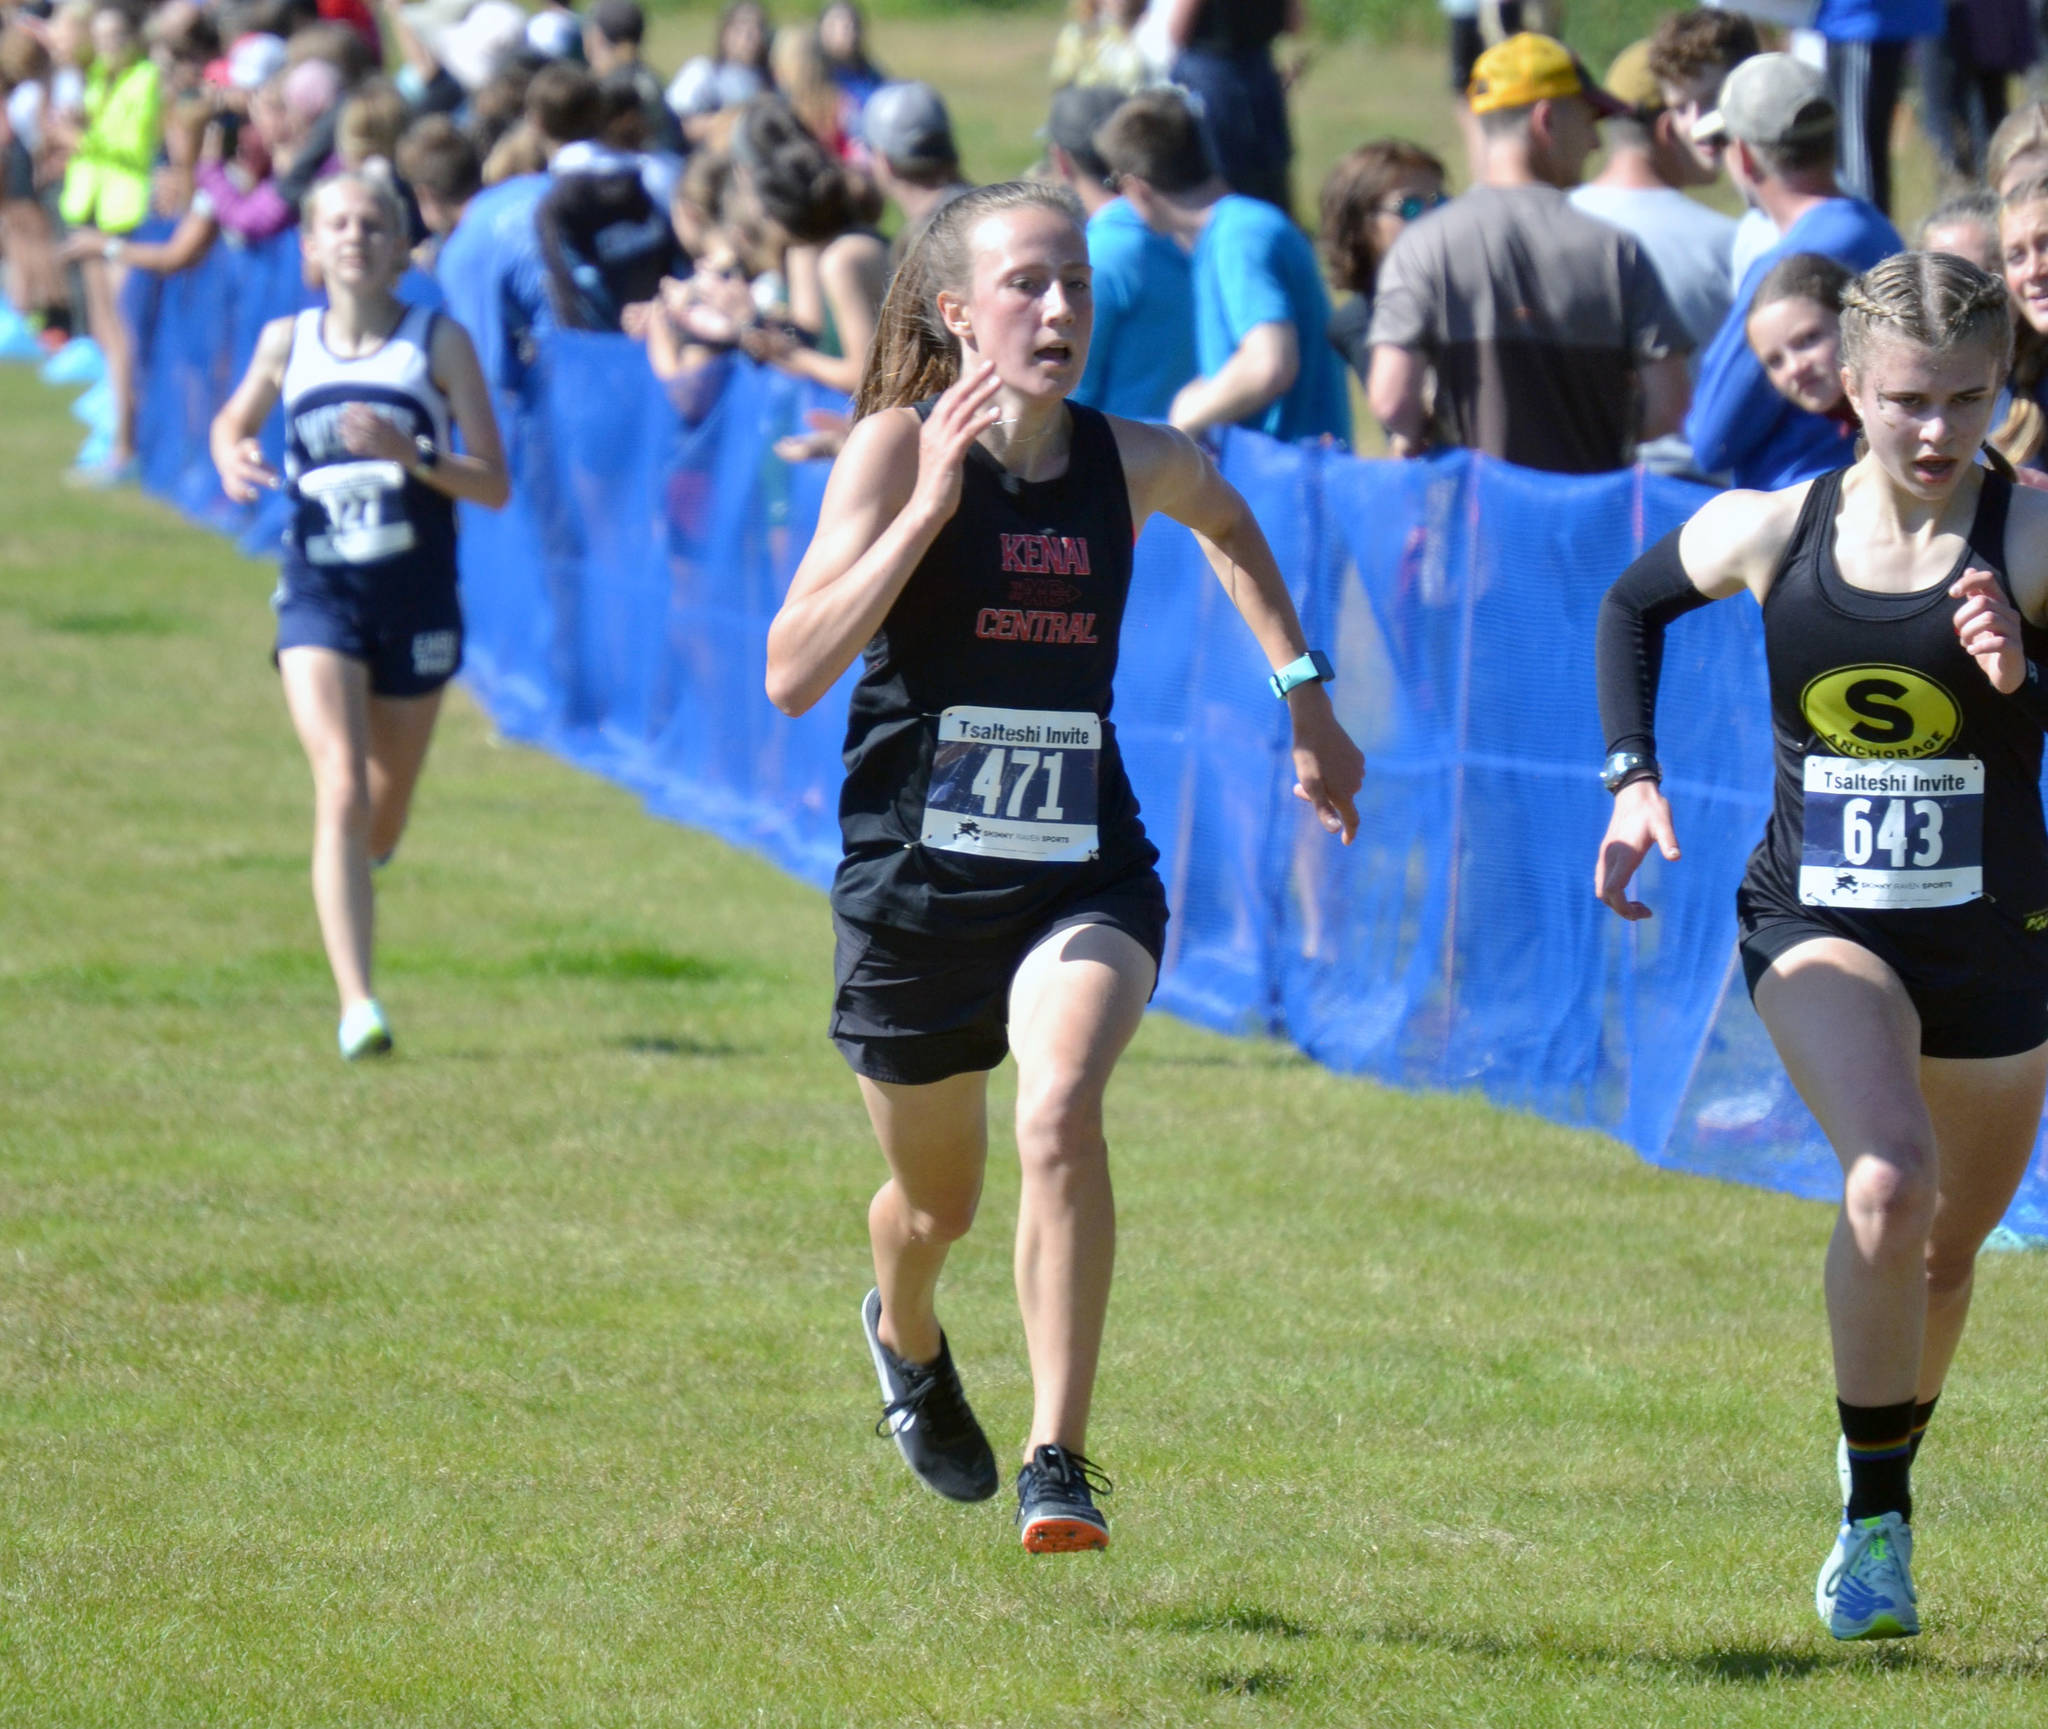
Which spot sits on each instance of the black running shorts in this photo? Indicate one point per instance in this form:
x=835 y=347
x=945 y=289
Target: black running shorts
x=911 y=1008
x=1967 y=1022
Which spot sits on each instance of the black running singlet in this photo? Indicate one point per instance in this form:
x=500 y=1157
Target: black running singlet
x=983 y=781
x=1907 y=806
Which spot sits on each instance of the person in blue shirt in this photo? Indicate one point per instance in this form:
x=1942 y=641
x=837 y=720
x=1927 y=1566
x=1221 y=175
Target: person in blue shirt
x=1777 y=122
x=1262 y=316
x=1143 y=349
x=1867 y=45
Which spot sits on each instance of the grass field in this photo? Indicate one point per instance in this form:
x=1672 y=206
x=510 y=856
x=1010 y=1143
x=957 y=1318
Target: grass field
x=518 y=1381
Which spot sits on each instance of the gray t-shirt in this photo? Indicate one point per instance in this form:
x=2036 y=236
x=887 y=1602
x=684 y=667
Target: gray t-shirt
x=1536 y=319
x=1690 y=246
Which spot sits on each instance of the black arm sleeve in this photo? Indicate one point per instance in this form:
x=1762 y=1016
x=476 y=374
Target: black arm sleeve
x=1629 y=647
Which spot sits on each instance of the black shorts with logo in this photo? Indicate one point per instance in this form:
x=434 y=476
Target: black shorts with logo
x=911 y=1008
x=1955 y=1020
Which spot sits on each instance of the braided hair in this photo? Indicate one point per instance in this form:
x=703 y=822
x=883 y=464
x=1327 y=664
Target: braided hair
x=914 y=355
x=1935 y=300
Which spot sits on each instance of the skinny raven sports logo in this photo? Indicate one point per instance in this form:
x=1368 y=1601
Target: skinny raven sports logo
x=1846 y=883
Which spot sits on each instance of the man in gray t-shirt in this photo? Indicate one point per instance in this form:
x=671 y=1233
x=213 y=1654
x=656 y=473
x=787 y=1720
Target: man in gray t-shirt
x=1551 y=338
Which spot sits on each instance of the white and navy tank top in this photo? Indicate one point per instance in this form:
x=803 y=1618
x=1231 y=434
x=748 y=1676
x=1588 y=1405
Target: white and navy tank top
x=358 y=521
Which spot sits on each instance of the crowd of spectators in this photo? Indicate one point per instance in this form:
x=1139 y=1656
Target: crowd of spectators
x=755 y=204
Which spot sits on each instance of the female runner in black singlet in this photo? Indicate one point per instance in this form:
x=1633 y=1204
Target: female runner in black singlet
x=1894 y=921
x=369 y=629
x=997 y=891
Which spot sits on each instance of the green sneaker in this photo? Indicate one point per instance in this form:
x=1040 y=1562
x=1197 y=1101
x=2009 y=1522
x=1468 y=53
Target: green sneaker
x=364 y=1031
x=1865 y=1591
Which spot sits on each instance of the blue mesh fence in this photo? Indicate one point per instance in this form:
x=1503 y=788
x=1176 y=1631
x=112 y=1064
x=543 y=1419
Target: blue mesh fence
x=618 y=613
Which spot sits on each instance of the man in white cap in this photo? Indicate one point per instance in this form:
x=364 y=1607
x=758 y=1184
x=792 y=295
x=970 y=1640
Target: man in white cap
x=1776 y=126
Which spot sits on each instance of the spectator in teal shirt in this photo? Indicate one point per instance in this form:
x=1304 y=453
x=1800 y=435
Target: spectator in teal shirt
x=1262 y=318
x=1143 y=349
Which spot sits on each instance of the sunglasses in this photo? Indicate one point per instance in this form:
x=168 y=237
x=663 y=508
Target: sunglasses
x=1413 y=205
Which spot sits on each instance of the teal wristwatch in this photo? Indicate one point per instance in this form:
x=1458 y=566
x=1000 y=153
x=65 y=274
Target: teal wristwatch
x=1313 y=668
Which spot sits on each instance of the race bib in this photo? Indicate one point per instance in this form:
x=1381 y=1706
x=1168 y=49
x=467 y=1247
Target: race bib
x=365 y=506
x=1884 y=834
x=1015 y=783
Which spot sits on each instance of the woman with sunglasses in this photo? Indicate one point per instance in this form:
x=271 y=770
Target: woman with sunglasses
x=1368 y=198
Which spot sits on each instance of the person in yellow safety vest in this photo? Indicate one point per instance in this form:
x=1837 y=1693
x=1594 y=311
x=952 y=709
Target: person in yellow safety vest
x=106 y=187
x=106 y=184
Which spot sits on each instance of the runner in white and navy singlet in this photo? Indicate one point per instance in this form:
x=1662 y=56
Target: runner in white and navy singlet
x=1893 y=924
x=997 y=894
x=369 y=630
x=369 y=553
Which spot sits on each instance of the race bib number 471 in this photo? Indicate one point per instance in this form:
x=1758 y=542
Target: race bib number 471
x=1015 y=783
x=1886 y=834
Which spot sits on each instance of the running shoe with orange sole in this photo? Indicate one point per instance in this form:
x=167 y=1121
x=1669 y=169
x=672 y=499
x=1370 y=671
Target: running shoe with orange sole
x=1056 y=1511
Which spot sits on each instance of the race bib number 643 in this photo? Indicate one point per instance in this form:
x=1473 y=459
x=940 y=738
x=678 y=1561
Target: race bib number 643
x=1886 y=834
x=1015 y=783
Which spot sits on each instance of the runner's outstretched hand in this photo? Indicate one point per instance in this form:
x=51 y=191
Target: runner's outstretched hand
x=957 y=419
x=1988 y=627
x=245 y=473
x=1328 y=768
x=1641 y=820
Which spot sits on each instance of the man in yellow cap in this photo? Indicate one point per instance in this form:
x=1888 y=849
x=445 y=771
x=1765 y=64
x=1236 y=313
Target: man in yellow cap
x=1550 y=336
x=1639 y=190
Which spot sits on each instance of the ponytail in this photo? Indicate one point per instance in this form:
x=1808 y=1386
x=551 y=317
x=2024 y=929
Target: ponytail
x=913 y=355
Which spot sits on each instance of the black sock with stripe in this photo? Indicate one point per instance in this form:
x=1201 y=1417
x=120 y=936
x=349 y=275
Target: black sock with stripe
x=1880 y=1441
x=1922 y=1416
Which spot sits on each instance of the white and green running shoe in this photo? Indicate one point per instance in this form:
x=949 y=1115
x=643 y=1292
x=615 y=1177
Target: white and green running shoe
x=364 y=1031
x=1865 y=1591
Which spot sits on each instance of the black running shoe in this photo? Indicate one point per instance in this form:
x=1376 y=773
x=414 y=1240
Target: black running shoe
x=1056 y=1512
x=924 y=1408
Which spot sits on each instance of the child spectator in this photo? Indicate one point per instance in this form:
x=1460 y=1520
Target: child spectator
x=1143 y=349
x=438 y=161
x=1795 y=332
x=1371 y=195
x=1965 y=226
x=1262 y=317
x=736 y=71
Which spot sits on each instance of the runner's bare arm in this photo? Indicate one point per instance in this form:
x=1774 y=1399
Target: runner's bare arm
x=1168 y=474
x=1736 y=540
x=894 y=487
x=232 y=438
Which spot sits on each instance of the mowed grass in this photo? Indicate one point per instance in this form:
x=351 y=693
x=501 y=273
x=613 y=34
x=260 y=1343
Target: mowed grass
x=518 y=1380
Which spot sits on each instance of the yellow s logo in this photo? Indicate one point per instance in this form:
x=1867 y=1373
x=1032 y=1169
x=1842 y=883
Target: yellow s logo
x=1881 y=711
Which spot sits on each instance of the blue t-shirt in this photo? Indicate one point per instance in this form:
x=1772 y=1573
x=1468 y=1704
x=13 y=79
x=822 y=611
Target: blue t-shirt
x=1252 y=266
x=1143 y=349
x=1740 y=425
x=493 y=275
x=1879 y=20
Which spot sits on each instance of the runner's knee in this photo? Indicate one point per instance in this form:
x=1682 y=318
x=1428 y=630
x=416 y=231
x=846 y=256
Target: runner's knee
x=1891 y=1186
x=1059 y=1122
x=939 y=1215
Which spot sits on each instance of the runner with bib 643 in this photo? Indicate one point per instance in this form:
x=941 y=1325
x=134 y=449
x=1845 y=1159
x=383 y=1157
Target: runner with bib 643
x=997 y=892
x=1894 y=920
